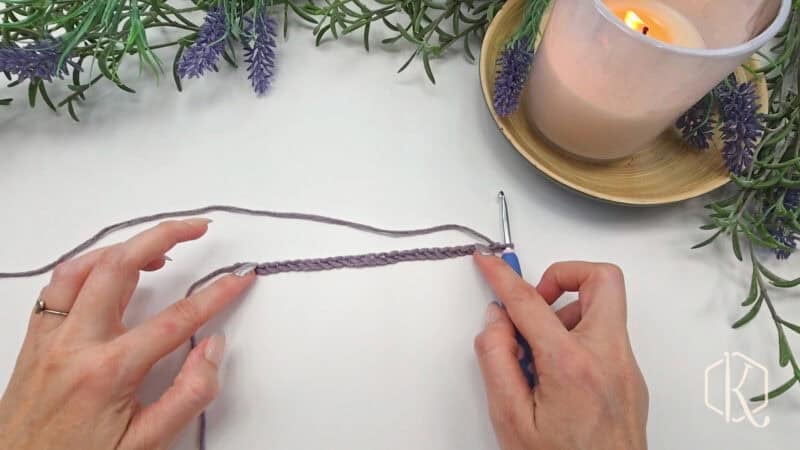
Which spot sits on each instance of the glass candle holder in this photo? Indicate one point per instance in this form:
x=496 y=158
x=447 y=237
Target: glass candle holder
x=610 y=76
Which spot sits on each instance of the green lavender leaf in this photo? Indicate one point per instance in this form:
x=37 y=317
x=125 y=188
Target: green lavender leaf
x=708 y=241
x=751 y=314
x=392 y=40
x=778 y=281
x=791 y=326
x=175 y=62
x=32 y=89
x=321 y=34
x=776 y=392
x=737 y=249
x=305 y=15
x=785 y=353
x=753 y=294
x=75 y=37
x=427 y=64
x=45 y=97
x=71 y=110
x=76 y=77
x=408 y=61
x=285 y=20
x=468 y=50
x=786 y=283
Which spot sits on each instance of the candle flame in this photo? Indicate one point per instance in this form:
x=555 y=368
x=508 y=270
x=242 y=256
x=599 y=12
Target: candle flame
x=634 y=22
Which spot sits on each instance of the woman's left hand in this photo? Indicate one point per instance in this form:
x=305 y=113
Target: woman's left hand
x=75 y=382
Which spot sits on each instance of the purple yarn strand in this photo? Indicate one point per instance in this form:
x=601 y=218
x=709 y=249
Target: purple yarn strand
x=245 y=211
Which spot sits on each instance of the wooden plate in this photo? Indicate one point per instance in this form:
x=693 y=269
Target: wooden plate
x=669 y=171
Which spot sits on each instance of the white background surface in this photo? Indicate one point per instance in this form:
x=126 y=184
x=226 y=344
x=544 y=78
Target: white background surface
x=370 y=359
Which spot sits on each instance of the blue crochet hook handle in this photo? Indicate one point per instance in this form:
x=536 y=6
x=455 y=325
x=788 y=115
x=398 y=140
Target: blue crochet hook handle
x=526 y=356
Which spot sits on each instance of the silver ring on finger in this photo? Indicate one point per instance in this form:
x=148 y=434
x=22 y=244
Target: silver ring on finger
x=41 y=308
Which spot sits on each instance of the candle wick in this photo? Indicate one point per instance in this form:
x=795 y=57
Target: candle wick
x=645 y=30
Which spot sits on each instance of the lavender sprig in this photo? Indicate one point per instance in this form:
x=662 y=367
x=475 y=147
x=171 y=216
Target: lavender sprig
x=742 y=125
x=515 y=60
x=35 y=61
x=259 y=45
x=103 y=40
x=697 y=124
x=206 y=50
x=514 y=66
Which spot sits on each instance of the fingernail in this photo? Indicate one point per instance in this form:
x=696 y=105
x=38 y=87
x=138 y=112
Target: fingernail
x=484 y=250
x=245 y=269
x=198 y=221
x=215 y=349
x=493 y=313
x=167 y=258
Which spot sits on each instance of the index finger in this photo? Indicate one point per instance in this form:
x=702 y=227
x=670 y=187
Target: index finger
x=114 y=277
x=600 y=287
x=159 y=336
x=532 y=316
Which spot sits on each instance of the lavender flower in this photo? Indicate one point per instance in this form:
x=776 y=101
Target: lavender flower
x=791 y=199
x=206 y=50
x=742 y=125
x=37 y=60
x=514 y=66
x=697 y=124
x=786 y=237
x=259 y=45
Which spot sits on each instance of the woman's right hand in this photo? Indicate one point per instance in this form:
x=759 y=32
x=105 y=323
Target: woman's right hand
x=591 y=394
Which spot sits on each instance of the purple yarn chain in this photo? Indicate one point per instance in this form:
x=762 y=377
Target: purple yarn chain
x=354 y=261
x=339 y=262
x=297 y=265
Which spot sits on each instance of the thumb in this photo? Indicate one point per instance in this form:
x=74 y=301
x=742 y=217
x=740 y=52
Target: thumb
x=507 y=391
x=532 y=315
x=158 y=425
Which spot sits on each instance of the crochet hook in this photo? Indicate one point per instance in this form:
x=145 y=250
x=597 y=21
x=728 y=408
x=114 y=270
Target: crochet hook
x=508 y=255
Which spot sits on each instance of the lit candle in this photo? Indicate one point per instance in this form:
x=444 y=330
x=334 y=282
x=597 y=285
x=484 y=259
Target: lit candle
x=600 y=92
x=656 y=20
